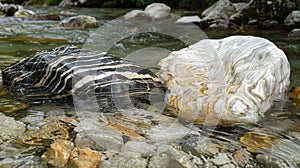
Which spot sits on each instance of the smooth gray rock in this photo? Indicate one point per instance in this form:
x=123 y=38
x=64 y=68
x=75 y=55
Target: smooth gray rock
x=123 y=161
x=138 y=149
x=23 y=162
x=199 y=146
x=221 y=159
x=171 y=157
x=293 y=20
x=10 y=128
x=217 y=16
x=222 y=6
x=158 y=11
x=283 y=153
x=294 y=33
x=135 y=14
x=240 y=6
x=81 y=22
x=97 y=136
x=189 y=19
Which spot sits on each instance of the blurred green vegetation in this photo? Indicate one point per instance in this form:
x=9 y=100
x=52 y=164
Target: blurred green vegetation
x=185 y=4
x=52 y=2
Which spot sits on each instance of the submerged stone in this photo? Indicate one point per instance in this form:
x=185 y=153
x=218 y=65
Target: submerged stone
x=79 y=22
x=10 y=128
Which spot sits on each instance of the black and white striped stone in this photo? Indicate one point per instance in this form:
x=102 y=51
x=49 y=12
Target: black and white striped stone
x=57 y=74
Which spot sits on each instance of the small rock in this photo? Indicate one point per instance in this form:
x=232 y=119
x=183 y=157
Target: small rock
x=257 y=142
x=268 y=24
x=66 y=3
x=241 y=157
x=123 y=161
x=170 y=157
x=81 y=22
x=84 y=158
x=253 y=22
x=293 y=20
x=284 y=153
x=138 y=149
x=58 y=154
x=222 y=6
x=217 y=16
x=135 y=14
x=10 y=128
x=228 y=166
x=295 y=33
x=51 y=16
x=98 y=136
x=240 y=6
x=21 y=162
x=197 y=146
x=24 y=13
x=189 y=19
x=221 y=159
x=158 y=10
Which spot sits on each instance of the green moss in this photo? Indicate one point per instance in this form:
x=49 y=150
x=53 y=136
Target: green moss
x=52 y=2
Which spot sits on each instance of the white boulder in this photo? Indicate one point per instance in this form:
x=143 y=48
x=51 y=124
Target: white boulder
x=237 y=78
x=158 y=10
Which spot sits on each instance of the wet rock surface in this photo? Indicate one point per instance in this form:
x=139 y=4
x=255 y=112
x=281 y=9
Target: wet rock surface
x=141 y=137
x=10 y=128
x=154 y=11
x=293 y=20
x=81 y=21
x=294 y=33
x=217 y=16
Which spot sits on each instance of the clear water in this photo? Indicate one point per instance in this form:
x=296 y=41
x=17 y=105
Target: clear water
x=20 y=39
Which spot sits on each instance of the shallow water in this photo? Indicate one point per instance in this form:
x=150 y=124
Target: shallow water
x=21 y=38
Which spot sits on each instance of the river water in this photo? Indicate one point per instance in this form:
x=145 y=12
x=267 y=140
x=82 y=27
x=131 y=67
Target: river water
x=20 y=38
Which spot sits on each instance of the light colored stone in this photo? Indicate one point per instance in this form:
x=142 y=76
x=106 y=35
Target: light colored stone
x=158 y=10
x=217 y=16
x=10 y=128
x=237 y=78
x=123 y=161
x=221 y=159
x=240 y=6
x=81 y=22
x=189 y=19
x=24 y=13
x=293 y=19
x=222 y=6
x=135 y=14
x=98 y=136
x=171 y=157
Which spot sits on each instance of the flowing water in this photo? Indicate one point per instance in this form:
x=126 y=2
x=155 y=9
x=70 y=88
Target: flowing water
x=20 y=38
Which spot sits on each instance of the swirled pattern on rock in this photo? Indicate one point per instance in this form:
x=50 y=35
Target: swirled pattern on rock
x=57 y=74
x=237 y=78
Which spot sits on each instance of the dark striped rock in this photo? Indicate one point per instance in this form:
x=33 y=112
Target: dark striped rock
x=55 y=75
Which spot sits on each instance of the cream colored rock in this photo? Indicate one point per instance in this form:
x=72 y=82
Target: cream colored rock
x=236 y=78
x=189 y=19
x=158 y=10
x=80 y=21
x=135 y=14
x=24 y=13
